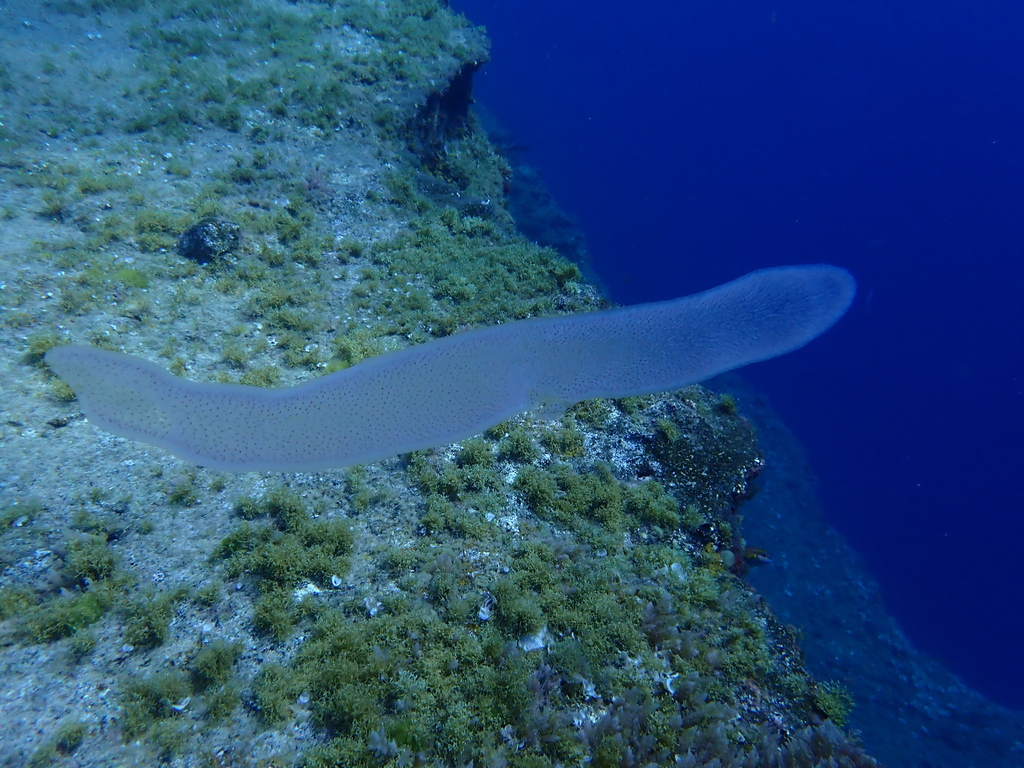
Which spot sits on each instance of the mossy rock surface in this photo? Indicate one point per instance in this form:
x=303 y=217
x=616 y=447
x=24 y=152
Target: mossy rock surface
x=548 y=593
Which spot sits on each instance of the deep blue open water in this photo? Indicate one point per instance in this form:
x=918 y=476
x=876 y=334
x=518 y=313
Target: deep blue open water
x=694 y=142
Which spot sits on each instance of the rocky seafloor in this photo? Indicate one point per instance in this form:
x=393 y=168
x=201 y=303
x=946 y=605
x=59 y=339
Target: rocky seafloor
x=560 y=592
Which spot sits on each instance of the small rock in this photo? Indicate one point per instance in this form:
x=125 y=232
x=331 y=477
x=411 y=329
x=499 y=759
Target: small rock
x=208 y=239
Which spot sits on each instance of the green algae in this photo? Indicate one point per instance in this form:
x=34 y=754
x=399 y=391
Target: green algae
x=607 y=596
x=834 y=701
x=285 y=548
x=159 y=706
x=289 y=548
x=93 y=585
x=66 y=739
x=474 y=273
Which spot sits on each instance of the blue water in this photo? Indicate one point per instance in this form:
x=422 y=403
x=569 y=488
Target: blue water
x=696 y=141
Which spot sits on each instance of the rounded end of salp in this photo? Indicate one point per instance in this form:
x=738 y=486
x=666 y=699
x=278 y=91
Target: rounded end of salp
x=789 y=306
x=832 y=290
x=819 y=293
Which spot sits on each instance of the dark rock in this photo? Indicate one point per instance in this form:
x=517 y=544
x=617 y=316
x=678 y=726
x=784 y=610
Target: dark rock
x=444 y=117
x=207 y=239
